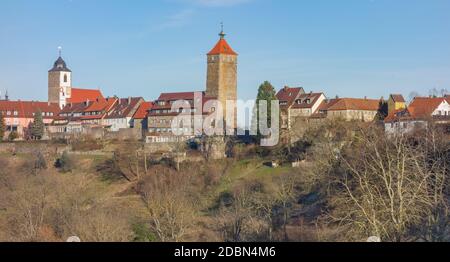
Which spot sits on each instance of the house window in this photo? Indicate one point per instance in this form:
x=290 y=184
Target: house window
x=8 y=113
x=16 y=113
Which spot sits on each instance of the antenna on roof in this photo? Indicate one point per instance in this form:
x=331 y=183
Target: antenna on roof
x=59 y=50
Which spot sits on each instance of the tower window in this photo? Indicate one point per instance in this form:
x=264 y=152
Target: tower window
x=65 y=78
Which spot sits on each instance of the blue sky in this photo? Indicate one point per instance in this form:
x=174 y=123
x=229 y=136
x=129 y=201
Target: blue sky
x=352 y=48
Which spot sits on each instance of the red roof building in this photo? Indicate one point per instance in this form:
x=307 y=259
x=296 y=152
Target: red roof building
x=288 y=95
x=79 y=95
x=355 y=104
x=19 y=115
x=143 y=110
x=422 y=108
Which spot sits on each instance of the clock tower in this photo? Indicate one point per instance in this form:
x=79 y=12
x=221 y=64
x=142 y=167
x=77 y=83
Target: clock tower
x=59 y=82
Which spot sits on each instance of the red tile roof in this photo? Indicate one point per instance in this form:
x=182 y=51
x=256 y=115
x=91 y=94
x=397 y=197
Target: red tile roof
x=101 y=105
x=177 y=96
x=26 y=109
x=79 y=95
x=168 y=97
x=424 y=106
x=142 y=112
x=396 y=115
x=302 y=99
x=289 y=94
x=398 y=98
x=355 y=104
x=420 y=108
x=222 y=47
x=125 y=107
x=323 y=108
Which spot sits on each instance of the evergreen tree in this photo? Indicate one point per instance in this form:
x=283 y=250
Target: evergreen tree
x=37 y=129
x=383 y=110
x=2 y=126
x=266 y=92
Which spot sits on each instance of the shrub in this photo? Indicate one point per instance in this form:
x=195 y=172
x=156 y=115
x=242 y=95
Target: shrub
x=40 y=163
x=13 y=136
x=66 y=163
x=142 y=233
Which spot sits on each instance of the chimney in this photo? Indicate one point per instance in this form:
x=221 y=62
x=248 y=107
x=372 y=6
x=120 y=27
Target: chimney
x=87 y=102
x=129 y=100
x=286 y=88
x=365 y=98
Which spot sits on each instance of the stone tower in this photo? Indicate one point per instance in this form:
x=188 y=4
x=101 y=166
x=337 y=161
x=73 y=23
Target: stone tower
x=59 y=82
x=222 y=75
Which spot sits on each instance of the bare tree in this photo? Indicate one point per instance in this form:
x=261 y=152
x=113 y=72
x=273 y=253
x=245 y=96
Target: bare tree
x=385 y=186
x=171 y=210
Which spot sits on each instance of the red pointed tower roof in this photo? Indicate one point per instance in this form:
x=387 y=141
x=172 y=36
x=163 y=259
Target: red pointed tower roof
x=222 y=47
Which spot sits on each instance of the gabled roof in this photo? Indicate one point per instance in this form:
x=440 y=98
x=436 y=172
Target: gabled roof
x=222 y=48
x=26 y=109
x=355 y=104
x=101 y=105
x=307 y=100
x=79 y=95
x=125 y=107
x=397 y=98
x=178 y=96
x=323 y=108
x=425 y=106
x=142 y=111
x=288 y=95
x=169 y=97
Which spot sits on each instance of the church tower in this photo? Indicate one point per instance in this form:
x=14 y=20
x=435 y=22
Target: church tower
x=59 y=82
x=221 y=77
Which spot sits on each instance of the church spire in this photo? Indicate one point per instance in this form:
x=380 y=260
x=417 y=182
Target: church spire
x=60 y=65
